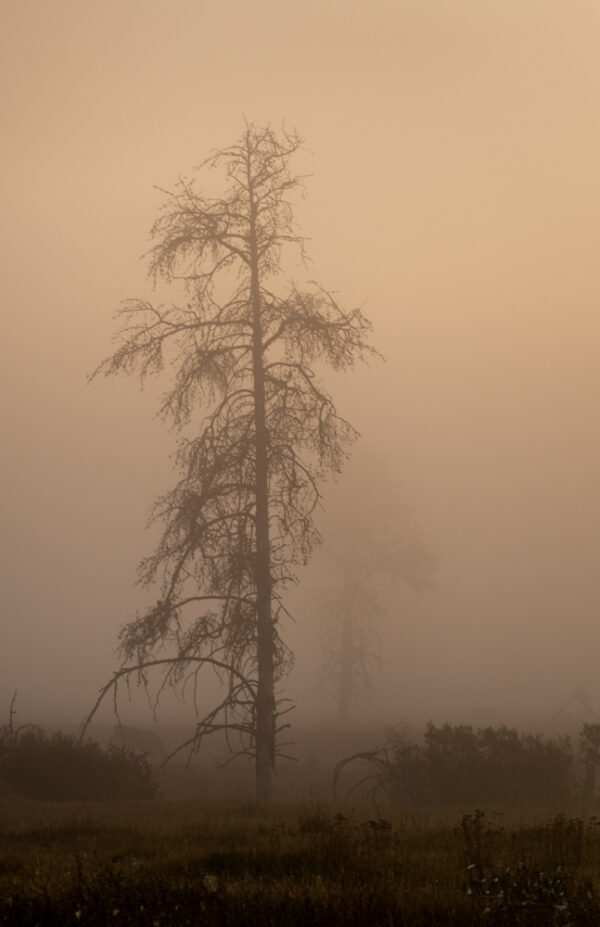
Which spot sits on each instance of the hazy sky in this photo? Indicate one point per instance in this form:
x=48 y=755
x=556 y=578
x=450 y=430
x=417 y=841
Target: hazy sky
x=454 y=147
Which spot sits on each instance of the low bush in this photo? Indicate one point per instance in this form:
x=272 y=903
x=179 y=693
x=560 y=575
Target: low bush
x=56 y=767
x=456 y=764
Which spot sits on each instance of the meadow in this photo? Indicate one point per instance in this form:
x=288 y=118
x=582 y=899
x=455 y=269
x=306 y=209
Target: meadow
x=229 y=862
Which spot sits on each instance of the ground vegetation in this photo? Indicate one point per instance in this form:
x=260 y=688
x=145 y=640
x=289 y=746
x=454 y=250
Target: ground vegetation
x=135 y=863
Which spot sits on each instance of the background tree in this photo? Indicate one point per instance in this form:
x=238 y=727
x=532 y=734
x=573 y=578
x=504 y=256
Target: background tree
x=240 y=518
x=372 y=546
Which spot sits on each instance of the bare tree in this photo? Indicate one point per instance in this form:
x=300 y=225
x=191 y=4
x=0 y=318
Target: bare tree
x=372 y=546
x=240 y=518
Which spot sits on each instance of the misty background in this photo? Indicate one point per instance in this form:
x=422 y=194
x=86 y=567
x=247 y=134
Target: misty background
x=454 y=151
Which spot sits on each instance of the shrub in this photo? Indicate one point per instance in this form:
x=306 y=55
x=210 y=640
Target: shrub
x=56 y=767
x=495 y=765
x=456 y=764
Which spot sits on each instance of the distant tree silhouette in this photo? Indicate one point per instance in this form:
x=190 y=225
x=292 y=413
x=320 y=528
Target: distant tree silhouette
x=240 y=518
x=371 y=547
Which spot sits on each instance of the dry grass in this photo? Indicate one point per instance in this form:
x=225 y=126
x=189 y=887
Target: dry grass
x=161 y=863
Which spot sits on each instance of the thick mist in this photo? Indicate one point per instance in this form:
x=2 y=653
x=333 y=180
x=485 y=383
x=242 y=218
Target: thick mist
x=453 y=193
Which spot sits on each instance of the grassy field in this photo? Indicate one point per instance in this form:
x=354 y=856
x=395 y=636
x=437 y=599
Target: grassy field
x=190 y=862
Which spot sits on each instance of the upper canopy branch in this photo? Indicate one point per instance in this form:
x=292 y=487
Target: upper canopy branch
x=198 y=237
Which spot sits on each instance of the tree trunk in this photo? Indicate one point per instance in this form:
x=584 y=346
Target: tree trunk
x=346 y=657
x=589 y=782
x=265 y=696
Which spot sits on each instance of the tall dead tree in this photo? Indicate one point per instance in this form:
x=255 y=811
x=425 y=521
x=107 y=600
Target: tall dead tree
x=241 y=515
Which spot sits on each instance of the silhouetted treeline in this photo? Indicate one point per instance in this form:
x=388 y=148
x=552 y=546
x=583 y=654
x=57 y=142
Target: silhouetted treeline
x=56 y=767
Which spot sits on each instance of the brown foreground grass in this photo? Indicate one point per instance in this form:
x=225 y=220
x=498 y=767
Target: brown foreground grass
x=184 y=862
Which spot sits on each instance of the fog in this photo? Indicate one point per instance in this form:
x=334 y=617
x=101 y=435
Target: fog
x=454 y=151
